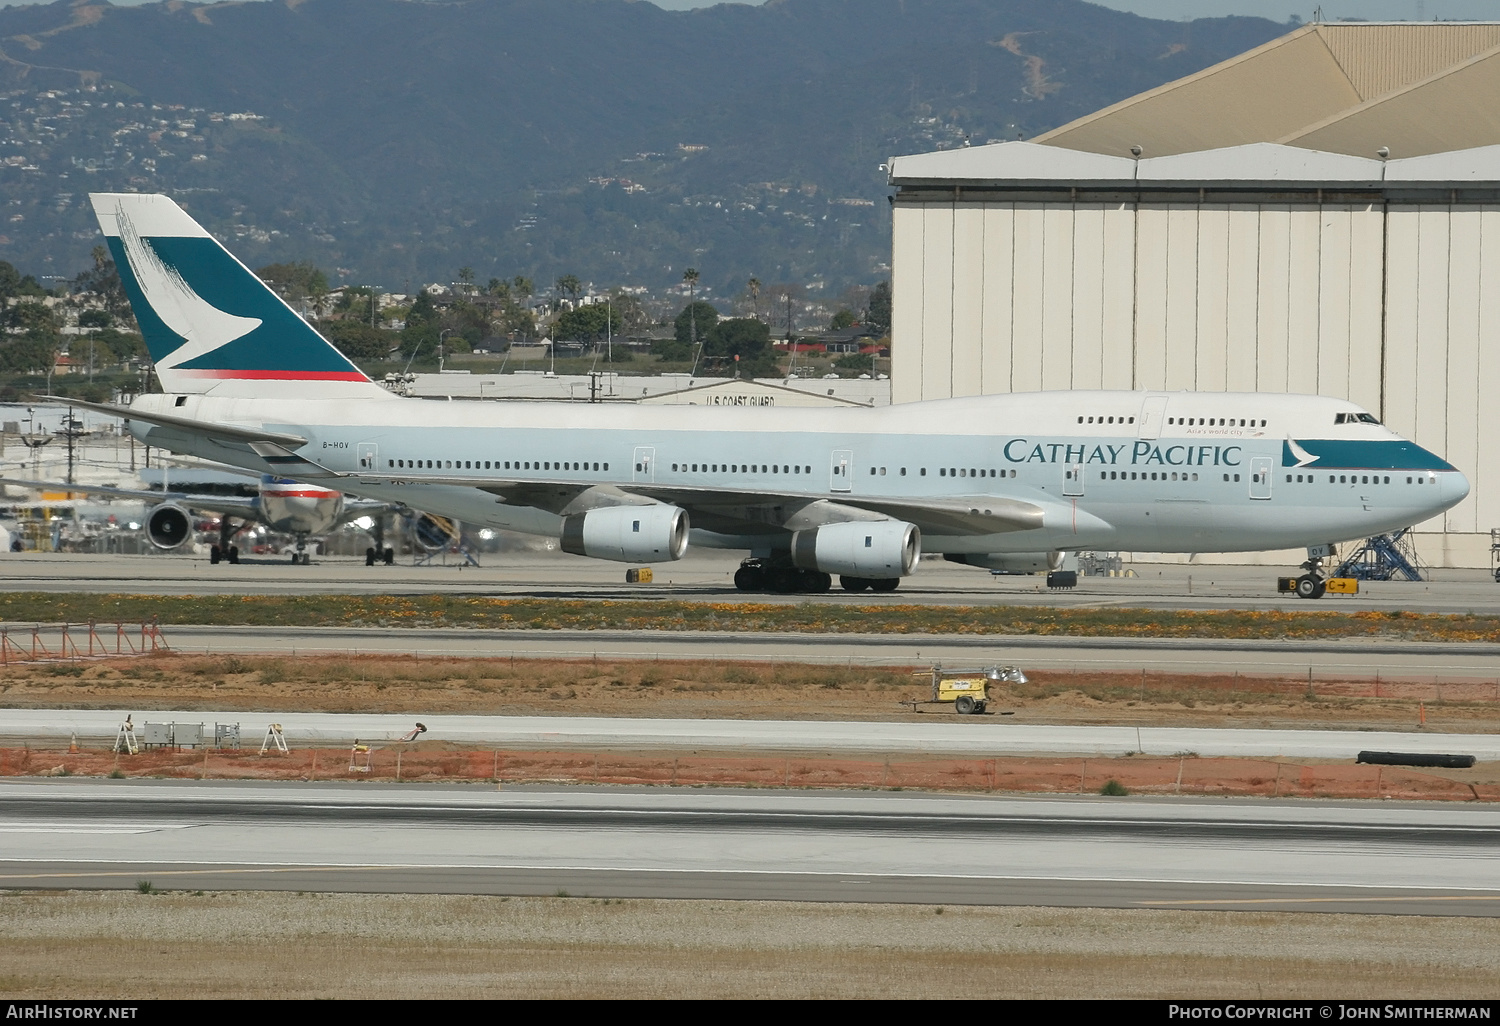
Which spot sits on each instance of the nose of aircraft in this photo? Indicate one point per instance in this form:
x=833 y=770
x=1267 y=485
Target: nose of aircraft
x=1453 y=487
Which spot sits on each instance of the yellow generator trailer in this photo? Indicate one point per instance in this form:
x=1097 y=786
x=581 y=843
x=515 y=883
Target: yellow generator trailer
x=969 y=690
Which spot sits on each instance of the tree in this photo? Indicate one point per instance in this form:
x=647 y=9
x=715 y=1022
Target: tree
x=298 y=282
x=423 y=310
x=633 y=316
x=466 y=280
x=745 y=337
x=878 y=314
x=358 y=341
x=843 y=319
x=569 y=285
x=855 y=362
x=95 y=319
x=753 y=287
x=592 y=324
x=694 y=320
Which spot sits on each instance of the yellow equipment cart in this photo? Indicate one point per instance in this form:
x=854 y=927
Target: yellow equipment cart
x=969 y=690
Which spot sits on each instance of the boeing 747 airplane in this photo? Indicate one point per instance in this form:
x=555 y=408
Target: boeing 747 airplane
x=1001 y=481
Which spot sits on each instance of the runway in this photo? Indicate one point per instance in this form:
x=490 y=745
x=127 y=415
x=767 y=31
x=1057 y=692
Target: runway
x=869 y=846
x=1360 y=658
x=989 y=736
x=706 y=575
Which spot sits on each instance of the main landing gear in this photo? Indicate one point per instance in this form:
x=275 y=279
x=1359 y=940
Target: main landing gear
x=301 y=555
x=379 y=552
x=780 y=576
x=224 y=551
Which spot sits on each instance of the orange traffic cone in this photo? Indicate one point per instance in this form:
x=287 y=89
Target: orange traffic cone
x=73 y=744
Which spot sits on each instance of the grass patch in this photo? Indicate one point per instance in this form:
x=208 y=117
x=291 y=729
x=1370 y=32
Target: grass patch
x=145 y=887
x=1114 y=789
x=560 y=614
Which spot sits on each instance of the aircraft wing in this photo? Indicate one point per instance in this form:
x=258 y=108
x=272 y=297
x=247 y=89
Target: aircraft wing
x=222 y=433
x=234 y=505
x=769 y=511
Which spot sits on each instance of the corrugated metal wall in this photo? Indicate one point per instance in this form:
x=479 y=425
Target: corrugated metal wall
x=995 y=297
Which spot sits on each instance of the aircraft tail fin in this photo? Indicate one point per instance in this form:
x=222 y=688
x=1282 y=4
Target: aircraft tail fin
x=210 y=324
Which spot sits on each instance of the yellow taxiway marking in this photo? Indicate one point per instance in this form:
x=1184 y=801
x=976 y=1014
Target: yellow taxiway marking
x=1320 y=901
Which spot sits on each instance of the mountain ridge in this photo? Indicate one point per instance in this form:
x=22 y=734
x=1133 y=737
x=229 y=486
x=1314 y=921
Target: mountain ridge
x=399 y=139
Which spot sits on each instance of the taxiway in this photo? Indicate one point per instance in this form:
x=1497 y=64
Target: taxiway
x=870 y=846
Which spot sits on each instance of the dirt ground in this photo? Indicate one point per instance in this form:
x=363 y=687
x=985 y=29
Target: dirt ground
x=128 y=945
x=733 y=690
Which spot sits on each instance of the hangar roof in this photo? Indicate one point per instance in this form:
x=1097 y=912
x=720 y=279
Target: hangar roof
x=1277 y=165
x=1412 y=87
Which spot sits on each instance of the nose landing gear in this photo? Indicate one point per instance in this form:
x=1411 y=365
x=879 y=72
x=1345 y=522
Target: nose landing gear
x=1313 y=584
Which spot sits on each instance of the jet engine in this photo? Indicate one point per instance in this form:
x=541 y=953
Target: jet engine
x=434 y=533
x=1011 y=562
x=630 y=534
x=168 y=525
x=880 y=549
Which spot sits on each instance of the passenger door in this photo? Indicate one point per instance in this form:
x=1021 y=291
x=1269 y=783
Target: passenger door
x=841 y=471
x=1153 y=412
x=644 y=461
x=1260 y=477
x=1073 y=479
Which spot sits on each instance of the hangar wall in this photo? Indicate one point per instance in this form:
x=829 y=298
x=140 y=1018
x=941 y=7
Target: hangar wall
x=1395 y=306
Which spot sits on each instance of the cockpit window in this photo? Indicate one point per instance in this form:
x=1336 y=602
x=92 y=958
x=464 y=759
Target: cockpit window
x=1355 y=418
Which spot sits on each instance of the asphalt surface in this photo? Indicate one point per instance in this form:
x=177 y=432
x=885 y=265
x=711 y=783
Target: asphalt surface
x=985 y=736
x=1352 y=659
x=636 y=842
x=706 y=575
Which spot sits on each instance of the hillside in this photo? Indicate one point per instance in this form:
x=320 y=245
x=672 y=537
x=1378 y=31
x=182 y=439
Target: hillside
x=397 y=140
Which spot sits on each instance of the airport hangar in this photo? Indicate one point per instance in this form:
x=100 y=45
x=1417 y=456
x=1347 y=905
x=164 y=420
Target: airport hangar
x=1320 y=215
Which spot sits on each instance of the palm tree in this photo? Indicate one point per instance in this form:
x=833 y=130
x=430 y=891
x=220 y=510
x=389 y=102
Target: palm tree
x=754 y=289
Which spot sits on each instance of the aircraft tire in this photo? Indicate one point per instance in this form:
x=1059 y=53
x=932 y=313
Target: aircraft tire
x=748 y=578
x=787 y=581
x=389 y=557
x=1310 y=587
x=885 y=584
x=853 y=583
x=214 y=555
x=234 y=554
x=815 y=582
x=370 y=556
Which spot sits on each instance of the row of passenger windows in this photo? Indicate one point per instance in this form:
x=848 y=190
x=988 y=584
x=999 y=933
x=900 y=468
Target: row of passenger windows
x=739 y=468
x=1108 y=420
x=1355 y=479
x=1151 y=475
x=1211 y=422
x=494 y=465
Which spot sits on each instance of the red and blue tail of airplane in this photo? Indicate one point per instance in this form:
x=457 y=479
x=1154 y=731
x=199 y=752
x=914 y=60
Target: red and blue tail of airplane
x=211 y=325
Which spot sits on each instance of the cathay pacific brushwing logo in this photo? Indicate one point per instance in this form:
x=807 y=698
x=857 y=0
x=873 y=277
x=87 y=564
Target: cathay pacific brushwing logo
x=204 y=327
x=1301 y=455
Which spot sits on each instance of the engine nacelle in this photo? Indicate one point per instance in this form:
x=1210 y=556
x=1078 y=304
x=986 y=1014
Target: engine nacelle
x=877 y=549
x=168 y=525
x=434 y=533
x=629 y=534
x=1011 y=562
